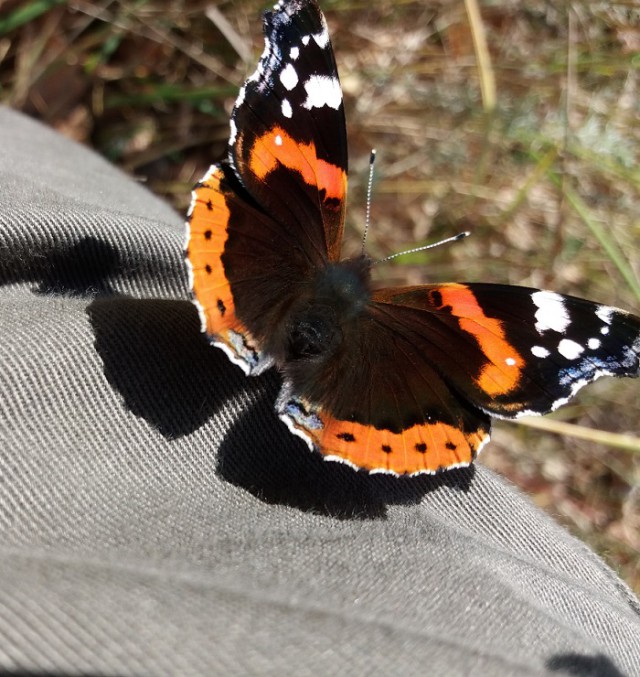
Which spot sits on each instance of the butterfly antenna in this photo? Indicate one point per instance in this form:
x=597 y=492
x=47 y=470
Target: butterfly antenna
x=367 y=220
x=455 y=238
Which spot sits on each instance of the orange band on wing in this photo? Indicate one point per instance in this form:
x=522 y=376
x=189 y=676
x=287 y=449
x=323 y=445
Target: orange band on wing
x=207 y=237
x=276 y=146
x=423 y=448
x=503 y=370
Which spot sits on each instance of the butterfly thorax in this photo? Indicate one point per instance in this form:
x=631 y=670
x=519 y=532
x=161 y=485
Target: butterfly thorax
x=335 y=298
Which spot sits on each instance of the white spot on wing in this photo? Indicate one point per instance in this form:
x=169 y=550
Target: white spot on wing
x=570 y=349
x=202 y=315
x=264 y=58
x=190 y=278
x=234 y=357
x=238 y=349
x=594 y=343
x=605 y=313
x=294 y=430
x=285 y=106
x=322 y=39
x=289 y=77
x=241 y=95
x=510 y=361
x=294 y=53
x=540 y=351
x=305 y=39
x=373 y=471
x=278 y=140
x=482 y=445
x=322 y=90
x=210 y=172
x=552 y=313
x=575 y=387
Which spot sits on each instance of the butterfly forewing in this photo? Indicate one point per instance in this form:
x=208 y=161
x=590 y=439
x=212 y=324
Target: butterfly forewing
x=513 y=351
x=288 y=142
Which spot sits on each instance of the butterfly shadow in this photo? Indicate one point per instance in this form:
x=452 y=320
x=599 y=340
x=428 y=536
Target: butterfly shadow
x=581 y=665
x=162 y=366
x=156 y=358
x=77 y=269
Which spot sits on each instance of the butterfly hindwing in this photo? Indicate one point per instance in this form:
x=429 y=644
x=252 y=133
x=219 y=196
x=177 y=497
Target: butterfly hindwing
x=379 y=400
x=208 y=224
x=424 y=447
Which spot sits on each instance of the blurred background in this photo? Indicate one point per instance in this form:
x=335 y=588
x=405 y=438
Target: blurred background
x=532 y=144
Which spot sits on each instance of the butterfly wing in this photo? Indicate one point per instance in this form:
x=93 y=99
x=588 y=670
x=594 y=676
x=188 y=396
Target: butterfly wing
x=263 y=220
x=288 y=143
x=426 y=365
x=515 y=351
x=236 y=269
x=380 y=400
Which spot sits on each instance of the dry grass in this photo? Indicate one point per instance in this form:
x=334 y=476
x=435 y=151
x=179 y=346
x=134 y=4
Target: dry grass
x=533 y=144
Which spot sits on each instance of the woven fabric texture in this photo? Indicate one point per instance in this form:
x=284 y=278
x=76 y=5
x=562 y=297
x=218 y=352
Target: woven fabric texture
x=157 y=518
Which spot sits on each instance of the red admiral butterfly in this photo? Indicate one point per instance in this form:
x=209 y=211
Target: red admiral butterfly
x=398 y=380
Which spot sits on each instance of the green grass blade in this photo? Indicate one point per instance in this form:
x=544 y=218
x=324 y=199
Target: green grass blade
x=27 y=13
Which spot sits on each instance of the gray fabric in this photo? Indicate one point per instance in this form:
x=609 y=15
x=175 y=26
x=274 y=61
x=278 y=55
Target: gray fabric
x=157 y=518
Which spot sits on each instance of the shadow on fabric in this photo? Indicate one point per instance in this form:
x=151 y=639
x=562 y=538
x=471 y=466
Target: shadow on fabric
x=583 y=666
x=279 y=468
x=78 y=269
x=262 y=456
x=156 y=358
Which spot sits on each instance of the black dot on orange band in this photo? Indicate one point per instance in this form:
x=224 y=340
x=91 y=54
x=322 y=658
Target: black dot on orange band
x=450 y=445
x=221 y=307
x=386 y=448
x=207 y=234
x=347 y=437
x=331 y=202
x=421 y=447
x=208 y=269
x=209 y=205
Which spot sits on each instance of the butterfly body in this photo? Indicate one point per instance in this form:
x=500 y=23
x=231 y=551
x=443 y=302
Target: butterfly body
x=332 y=304
x=402 y=380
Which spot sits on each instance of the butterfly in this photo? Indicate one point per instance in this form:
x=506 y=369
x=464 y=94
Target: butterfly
x=400 y=380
